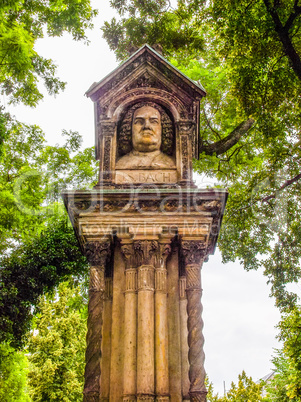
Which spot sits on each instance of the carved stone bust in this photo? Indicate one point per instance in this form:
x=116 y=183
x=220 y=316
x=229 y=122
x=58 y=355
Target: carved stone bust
x=146 y=140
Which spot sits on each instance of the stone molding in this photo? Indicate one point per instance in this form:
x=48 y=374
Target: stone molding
x=145 y=398
x=146 y=277
x=129 y=398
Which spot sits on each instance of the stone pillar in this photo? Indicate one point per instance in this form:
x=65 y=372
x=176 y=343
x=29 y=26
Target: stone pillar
x=130 y=330
x=106 y=341
x=145 y=252
x=184 y=339
x=97 y=254
x=193 y=252
x=161 y=325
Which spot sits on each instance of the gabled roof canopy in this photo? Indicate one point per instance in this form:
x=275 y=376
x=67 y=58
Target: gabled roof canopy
x=149 y=56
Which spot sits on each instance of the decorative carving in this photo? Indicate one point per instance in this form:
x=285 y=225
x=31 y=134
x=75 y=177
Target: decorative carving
x=128 y=255
x=193 y=277
x=97 y=253
x=162 y=399
x=107 y=158
x=129 y=398
x=145 y=398
x=131 y=280
x=107 y=128
x=163 y=252
x=185 y=157
x=125 y=129
x=193 y=251
x=145 y=251
x=146 y=80
x=166 y=204
x=146 y=277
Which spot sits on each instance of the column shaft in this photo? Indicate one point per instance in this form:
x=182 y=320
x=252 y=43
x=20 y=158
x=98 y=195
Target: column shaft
x=106 y=341
x=97 y=254
x=94 y=335
x=145 y=355
x=161 y=336
x=184 y=339
x=130 y=336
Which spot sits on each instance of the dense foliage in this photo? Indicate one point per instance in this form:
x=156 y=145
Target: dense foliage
x=22 y=24
x=39 y=249
x=35 y=268
x=32 y=176
x=247 y=56
x=286 y=384
x=246 y=390
x=13 y=375
x=57 y=347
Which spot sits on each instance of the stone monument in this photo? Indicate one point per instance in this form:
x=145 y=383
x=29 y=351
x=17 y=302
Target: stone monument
x=146 y=230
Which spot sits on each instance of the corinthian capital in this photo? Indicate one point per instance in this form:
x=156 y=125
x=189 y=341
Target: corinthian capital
x=98 y=253
x=128 y=255
x=193 y=251
x=146 y=251
x=164 y=249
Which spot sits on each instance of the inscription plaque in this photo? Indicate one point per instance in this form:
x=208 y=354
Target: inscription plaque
x=146 y=176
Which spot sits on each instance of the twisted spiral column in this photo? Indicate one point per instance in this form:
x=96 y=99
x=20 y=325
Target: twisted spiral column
x=196 y=355
x=97 y=254
x=193 y=252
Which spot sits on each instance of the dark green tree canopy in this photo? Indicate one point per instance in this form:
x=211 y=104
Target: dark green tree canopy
x=247 y=57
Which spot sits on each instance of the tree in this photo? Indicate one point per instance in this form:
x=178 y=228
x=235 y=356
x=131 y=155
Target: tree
x=22 y=23
x=35 y=268
x=13 y=372
x=250 y=122
x=245 y=391
x=57 y=347
x=286 y=384
x=39 y=249
x=32 y=176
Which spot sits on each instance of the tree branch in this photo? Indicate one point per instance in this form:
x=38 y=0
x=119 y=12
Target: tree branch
x=284 y=185
x=293 y=16
x=284 y=37
x=228 y=142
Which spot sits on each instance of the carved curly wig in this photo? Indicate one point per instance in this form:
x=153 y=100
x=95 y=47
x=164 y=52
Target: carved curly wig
x=124 y=138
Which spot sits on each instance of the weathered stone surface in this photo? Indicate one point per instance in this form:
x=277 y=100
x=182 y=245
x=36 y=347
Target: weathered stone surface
x=146 y=230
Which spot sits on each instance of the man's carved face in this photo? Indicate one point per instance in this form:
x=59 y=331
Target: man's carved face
x=146 y=129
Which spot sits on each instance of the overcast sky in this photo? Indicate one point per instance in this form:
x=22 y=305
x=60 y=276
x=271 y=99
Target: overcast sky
x=239 y=317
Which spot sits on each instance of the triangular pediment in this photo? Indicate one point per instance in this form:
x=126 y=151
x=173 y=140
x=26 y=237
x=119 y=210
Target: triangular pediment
x=167 y=75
